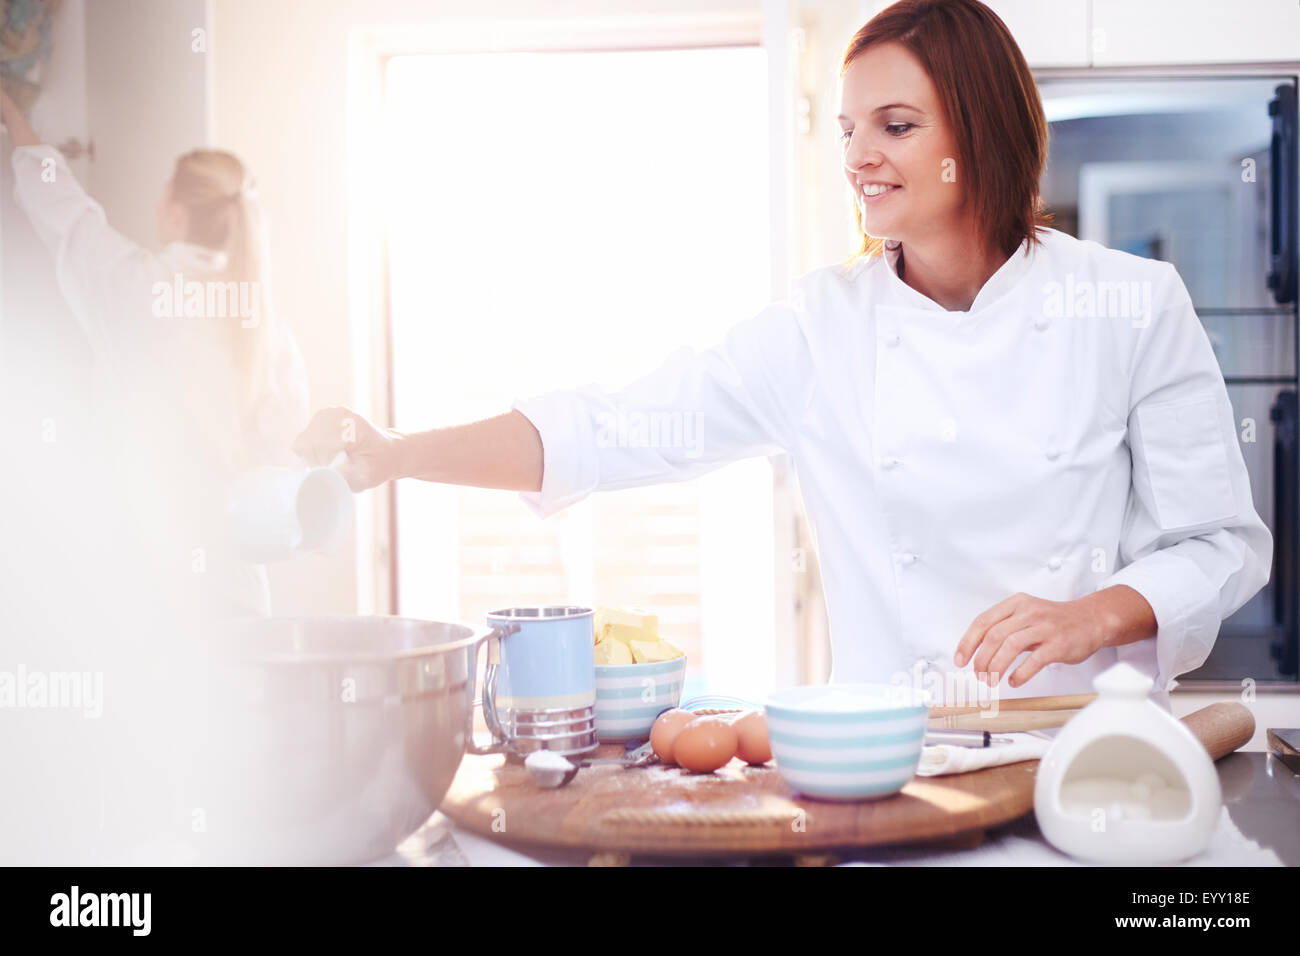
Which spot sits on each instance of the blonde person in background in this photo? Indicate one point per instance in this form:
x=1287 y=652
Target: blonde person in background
x=195 y=380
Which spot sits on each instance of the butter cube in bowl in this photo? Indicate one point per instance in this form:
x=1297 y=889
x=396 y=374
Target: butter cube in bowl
x=639 y=675
x=847 y=742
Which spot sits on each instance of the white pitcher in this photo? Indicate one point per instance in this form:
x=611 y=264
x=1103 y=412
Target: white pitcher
x=276 y=513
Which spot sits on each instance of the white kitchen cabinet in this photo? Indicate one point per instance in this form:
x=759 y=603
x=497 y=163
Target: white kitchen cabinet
x=1049 y=34
x=1178 y=32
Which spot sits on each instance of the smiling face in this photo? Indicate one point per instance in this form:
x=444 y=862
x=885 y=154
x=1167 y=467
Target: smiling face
x=897 y=147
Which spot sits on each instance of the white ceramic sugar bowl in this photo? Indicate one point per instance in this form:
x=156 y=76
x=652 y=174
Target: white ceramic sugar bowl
x=1124 y=782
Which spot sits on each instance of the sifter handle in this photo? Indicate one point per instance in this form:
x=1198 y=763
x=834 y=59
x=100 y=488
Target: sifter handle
x=488 y=702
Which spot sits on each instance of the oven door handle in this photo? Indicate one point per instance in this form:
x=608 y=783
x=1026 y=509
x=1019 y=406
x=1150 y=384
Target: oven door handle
x=1282 y=195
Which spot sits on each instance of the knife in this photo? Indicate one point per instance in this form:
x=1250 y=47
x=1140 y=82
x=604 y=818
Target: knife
x=963 y=738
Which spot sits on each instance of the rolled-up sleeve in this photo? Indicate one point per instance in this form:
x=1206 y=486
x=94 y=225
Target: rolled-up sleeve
x=697 y=411
x=1192 y=542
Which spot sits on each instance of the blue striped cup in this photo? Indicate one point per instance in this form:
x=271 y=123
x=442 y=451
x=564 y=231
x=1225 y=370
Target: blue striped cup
x=847 y=742
x=630 y=696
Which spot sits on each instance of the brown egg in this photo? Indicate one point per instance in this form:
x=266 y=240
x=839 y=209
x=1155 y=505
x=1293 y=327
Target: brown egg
x=705 y=744
x=751 y=732
x=665 y=730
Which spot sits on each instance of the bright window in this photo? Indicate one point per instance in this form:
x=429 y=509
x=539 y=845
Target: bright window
x=563 y=218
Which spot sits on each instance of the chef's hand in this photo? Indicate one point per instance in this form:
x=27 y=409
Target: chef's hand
x=1052 y=631
x=372 y=453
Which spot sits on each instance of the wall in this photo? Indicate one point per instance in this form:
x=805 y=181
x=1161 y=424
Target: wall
x=147 y=102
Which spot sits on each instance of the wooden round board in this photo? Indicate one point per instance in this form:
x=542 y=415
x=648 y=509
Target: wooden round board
x=739 y=809
x=667 y=811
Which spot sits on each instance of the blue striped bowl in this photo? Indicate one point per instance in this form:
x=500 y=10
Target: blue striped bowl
x=630 y=696
x=844 y=754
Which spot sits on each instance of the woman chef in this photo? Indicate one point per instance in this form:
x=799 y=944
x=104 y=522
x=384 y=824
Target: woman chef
x=1015 y=448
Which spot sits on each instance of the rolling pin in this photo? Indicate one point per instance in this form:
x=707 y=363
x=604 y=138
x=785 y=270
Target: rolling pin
x=1058 y=702
x=1002 y=723
x=1221 y=728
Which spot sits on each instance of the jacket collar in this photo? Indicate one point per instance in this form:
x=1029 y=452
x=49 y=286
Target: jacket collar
x=998 y=285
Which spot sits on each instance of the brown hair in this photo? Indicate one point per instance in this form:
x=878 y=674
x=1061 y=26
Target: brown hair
x=219 y=195
x=990 y=101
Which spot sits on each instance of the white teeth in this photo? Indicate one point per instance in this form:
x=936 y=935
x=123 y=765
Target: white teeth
x=875 y=189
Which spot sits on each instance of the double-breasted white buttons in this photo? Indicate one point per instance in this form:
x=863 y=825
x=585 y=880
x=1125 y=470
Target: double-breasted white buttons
x=907 y=557
x=888 y=462
x=891 y=338
x=1054 y=563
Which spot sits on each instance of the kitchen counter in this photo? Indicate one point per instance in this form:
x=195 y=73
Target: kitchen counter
x=1260 y=827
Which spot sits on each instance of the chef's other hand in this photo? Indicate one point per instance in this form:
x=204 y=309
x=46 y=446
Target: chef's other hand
x=372 y=457
x=1052 y=631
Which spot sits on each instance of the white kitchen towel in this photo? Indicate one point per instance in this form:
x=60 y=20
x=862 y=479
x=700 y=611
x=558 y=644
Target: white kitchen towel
x=949 y=758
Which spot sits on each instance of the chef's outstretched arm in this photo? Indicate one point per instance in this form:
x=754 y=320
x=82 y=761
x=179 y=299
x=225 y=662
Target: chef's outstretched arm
x=696 y=412
x=500 y=452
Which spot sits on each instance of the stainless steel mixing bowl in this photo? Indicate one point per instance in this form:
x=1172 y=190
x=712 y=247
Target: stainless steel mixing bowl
x=328 y=740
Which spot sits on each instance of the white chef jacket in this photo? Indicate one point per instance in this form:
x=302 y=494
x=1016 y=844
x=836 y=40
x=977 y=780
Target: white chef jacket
x=166 y=403
x=947 y=460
